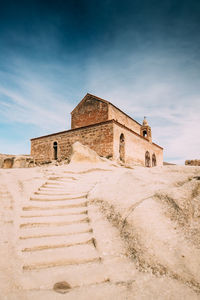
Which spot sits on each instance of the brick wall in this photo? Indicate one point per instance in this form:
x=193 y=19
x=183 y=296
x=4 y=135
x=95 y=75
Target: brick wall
x=123 y=119
x=98 y=137
x=91 y=111
x=135 y=147
x=104 y=138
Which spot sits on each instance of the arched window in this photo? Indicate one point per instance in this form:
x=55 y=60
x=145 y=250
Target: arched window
x=147 y=159
x=144 y=133
x=154 y=160
x=122 y=147
x=55 y=150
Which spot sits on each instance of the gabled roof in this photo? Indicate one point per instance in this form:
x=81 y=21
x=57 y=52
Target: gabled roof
x=88 y=96
x=104 y=101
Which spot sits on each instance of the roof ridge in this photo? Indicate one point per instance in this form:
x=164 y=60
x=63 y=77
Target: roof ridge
x=105 y=101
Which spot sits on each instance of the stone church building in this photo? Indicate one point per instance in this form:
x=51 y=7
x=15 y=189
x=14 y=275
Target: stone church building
x=104 y=128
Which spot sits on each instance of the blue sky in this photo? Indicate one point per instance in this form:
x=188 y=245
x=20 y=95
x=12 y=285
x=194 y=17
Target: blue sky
x=143 y=56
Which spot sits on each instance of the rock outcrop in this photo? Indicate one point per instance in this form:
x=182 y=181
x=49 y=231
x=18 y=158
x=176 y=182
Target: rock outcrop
x=194 y=162
x=81 y=153
x=16 y=161
x=65 y=241
x=157 y=212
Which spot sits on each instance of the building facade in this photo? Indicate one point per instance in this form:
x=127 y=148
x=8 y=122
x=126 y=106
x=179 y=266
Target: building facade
x=104 y=128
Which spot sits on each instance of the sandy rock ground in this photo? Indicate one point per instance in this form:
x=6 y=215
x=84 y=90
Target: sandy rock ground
x=100 y=231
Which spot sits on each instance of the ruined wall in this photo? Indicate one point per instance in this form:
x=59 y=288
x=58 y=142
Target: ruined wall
x=98 y=137
x=123 y=119
x=8 y=161
x=91 y=111
x=193 y=162
x=135 y=147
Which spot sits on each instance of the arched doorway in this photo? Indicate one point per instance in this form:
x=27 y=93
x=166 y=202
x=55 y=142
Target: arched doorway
x=122 y=147
x=8 y=163
x=55 y=150
x=144 y=133
x=147 y=159
x=154 y=160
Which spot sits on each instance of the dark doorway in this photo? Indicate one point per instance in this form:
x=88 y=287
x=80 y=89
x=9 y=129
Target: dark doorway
x=122 y=148
x=144 y=133
x=55 y=150
x=8 y=163
x=153 y=160
x=147 y=159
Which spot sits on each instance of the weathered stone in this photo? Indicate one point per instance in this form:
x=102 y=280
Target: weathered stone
x=43 y=151
x=81 y=153
x=61 y=287
x=16 y=161
x=98 y=124
x=8 y=163
x=23 y=162
x=194 y=162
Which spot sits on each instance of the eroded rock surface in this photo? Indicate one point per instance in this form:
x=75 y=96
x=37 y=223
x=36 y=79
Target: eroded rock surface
x=81 y=153
x=95 y=230
x=193 y=162
x=16 y=161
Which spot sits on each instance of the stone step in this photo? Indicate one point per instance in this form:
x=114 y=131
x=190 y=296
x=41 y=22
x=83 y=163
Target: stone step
x=75 y=275
x=59 y=257
x=61 y=185
x=101 y=290
x=56 y=200
x=56 y=246
x=37 y=244
x=64 y=178
x=57 y=183
x=40 y=197
x=49 y=247
x=50 y=223
x=47 y=204
x=61 y=192
x=55 y=188
x=55 y=219
x=35 y=232
x=62 y=175
x=47 y=192
x=55 y=191
x=42 y=206
x=59 y=212
x=60 y=182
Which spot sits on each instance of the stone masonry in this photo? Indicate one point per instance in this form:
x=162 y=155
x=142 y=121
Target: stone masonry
x=104 y=128
x=98 y=137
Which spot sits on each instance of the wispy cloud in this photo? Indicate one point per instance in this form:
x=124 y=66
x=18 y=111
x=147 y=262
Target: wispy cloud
x=166 y=98
x=43 y=101
x=144 y=58
x=29 y=99
x=33 y=100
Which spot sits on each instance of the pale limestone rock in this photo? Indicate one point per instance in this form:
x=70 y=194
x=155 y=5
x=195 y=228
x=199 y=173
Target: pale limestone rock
x=81 y=153
x=16 y=161
x=23 y=162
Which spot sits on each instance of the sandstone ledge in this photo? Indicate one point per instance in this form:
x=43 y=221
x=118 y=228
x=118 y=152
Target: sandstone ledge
x=16 y=161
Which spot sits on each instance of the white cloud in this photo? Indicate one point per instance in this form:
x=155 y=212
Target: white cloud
x=41 y=96
x=172 y=109
x=34 y=102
